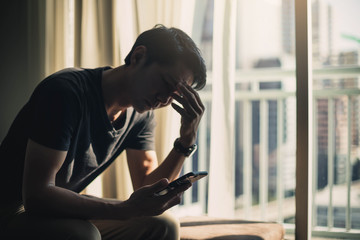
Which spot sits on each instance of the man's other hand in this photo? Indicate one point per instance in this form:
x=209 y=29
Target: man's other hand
x=145 y=202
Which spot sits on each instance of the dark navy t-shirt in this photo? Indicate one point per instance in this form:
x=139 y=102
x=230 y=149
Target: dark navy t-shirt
x=66 y=112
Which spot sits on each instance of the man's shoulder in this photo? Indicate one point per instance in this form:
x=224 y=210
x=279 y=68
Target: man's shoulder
x=73 y=73
x=70 y=69
x=77 y=79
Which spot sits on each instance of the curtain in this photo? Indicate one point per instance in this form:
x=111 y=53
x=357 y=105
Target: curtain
x=221 y=173
x=56 y=26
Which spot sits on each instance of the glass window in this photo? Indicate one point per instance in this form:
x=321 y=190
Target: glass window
x=265 y=112
x=336 y=46
x=265 y=103
x=336 y=34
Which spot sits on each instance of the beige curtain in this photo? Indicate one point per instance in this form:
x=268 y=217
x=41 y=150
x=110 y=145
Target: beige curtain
x=93 y=33
x=221 y=191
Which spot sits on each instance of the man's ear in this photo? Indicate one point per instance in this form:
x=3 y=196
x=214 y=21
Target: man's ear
x=138 y=55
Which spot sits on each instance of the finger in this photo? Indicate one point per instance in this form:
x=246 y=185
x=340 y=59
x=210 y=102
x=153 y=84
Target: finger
x=180 y=110
x=183 y=187
x=174 y=193
x=177 y=97
x=198 y=99
x=186 y=105
x=190 y=99
x=191 y=95
x=179 y=189
x=174 y=201
x=159 y=185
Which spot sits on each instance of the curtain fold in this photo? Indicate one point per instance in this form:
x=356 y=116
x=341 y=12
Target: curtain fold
x=221 y=173
x=95 y=36
x=54 y=36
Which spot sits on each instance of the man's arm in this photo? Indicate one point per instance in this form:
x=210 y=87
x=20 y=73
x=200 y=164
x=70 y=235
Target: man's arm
x=143 y=164
x=42 y=196
x=144 y=169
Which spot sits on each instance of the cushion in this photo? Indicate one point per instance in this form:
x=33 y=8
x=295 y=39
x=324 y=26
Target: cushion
x=204 y=227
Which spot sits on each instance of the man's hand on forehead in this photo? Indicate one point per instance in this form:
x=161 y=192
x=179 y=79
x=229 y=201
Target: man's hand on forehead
x=191 y=112
x=183 y=75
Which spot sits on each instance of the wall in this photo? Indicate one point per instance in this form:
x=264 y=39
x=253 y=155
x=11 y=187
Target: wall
x=21 y=66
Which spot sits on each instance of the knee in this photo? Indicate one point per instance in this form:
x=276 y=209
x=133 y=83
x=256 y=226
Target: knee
x=166 y=227
x=84 y=230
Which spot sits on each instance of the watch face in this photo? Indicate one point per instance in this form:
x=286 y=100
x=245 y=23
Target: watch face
x=192 y=150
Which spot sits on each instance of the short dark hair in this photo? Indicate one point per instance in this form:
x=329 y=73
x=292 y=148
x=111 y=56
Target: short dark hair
x=169 y=45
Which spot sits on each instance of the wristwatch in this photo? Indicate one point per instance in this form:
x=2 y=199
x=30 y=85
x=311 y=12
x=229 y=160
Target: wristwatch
x=187 y=151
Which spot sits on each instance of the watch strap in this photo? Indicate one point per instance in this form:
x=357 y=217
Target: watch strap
x=187 y=151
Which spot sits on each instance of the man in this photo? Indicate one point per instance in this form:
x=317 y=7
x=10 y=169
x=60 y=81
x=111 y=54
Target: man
x=78 y=121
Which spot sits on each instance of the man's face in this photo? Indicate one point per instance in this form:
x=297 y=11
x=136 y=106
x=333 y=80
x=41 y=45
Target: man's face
x=153 y=85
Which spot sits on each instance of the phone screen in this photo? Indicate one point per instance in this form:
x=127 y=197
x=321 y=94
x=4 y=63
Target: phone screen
x=191 y=176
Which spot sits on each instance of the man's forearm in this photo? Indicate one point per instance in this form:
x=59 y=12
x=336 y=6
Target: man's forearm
x=60 y=202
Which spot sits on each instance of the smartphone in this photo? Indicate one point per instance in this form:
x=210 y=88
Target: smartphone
x=191 y=176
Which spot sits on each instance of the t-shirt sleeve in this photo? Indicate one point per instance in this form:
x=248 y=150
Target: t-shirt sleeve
x=144 y=137
x=54 y=115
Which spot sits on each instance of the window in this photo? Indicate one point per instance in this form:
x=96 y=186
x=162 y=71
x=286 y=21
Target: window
x=264 y=161
x=336 y=206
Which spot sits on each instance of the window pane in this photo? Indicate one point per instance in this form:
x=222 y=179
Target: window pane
x=265 y=111
x=336 y=32
x=265 y=34
x=329 y=83
x=337 y=182
x=336 y=38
